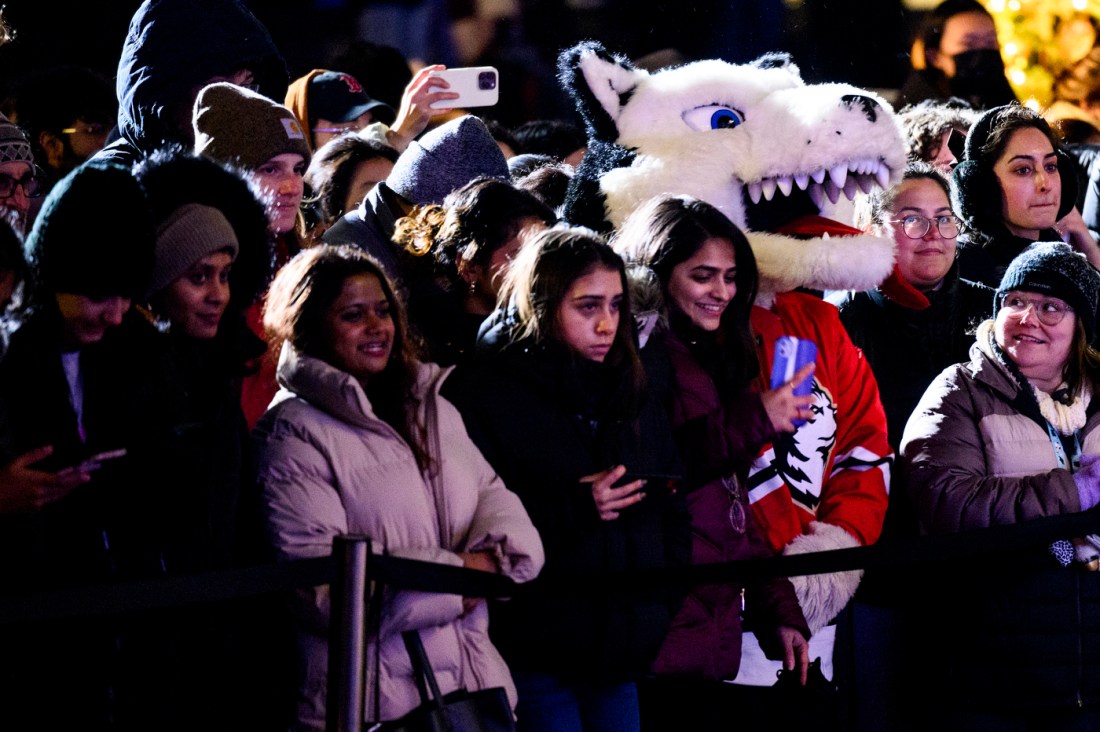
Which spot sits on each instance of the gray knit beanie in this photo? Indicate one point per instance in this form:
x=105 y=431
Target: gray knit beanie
x=13 y=144
x=191 y=232
x=236 y=125
x=445 y=159
x=1056 y=269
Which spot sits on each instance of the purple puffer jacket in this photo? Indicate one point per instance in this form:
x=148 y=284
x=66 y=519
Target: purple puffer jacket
x=719 y=440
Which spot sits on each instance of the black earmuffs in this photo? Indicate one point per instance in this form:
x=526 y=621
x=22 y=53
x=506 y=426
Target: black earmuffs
x=976 y=193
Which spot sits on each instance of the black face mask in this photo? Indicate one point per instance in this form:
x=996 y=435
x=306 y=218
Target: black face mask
x=980 y=78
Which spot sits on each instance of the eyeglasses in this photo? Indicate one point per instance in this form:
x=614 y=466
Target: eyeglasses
x=95 y=128
x=349 y=127
x=738 y=516
x=1049 y=311
x=916 y=227
x=29 y=183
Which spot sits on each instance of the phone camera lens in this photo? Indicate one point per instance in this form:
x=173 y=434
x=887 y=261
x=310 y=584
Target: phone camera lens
x=486 y=80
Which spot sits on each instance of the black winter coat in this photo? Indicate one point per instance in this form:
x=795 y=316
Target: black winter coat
x=543 y=419
x=985 y=259
x=908 y=348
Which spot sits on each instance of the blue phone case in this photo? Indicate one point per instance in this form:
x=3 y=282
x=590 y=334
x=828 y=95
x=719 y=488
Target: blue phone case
x=791 y=354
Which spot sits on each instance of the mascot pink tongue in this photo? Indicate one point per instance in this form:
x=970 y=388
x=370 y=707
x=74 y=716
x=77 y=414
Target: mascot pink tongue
x=755 y=136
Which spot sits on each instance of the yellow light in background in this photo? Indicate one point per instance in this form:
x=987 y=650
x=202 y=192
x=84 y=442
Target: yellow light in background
x=1033 y=104
x=1042 y=38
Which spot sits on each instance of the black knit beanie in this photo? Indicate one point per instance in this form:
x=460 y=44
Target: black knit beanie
x=1055 y=269
x=94 y=235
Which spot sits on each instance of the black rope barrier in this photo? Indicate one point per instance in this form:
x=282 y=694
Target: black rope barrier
x=157 y=594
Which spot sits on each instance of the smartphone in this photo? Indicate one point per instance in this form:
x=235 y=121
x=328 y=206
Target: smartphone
x=476 y=86
x=790 y=355
x=653 y=481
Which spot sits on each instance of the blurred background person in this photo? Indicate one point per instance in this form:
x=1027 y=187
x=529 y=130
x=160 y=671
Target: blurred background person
x=173 y=49
x=935 y=131
x=957 y=54
x=339 y=177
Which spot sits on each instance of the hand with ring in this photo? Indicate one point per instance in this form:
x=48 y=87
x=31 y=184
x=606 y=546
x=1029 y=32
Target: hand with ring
x=784 y=407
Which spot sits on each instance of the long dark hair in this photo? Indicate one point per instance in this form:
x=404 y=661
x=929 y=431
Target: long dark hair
x=669 y=230
x=295 y=310
x=540 y=276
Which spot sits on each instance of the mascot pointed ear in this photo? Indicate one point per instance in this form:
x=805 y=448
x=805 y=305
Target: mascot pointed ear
x=600 y=84
x=778 y=60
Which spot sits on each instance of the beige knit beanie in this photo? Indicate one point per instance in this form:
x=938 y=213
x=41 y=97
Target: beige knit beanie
x=191 y=232
x=236 y=125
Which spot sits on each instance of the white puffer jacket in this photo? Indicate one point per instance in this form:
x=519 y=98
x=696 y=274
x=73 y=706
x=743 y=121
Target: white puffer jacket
x=328 y=465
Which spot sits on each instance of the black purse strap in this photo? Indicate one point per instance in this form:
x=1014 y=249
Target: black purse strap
x=422 y=669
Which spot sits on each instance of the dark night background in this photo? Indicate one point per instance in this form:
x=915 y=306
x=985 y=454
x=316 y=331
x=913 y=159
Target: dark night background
x=855 y=41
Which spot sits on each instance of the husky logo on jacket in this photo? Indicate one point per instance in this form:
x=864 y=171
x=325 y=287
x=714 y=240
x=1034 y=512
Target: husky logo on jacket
x=776 y=155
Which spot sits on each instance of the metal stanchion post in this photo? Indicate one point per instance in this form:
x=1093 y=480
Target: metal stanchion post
x=347 y=641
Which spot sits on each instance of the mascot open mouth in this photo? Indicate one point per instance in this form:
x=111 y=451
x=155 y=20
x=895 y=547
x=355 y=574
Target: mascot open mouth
x=843 y=178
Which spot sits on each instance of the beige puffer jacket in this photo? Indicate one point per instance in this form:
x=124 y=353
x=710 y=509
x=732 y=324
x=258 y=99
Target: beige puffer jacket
x=328 y=465
x=972 y=459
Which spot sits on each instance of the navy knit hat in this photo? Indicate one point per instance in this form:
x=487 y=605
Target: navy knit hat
x=445 y=159
x=94 y=235
x=1055 y=269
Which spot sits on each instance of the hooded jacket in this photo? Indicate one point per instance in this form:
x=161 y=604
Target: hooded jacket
x=329 y=465
x=174 y=47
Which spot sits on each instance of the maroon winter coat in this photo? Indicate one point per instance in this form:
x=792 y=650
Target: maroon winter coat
x=719 y=440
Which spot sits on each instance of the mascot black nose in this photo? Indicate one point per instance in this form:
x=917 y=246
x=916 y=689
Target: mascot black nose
x=868 y=105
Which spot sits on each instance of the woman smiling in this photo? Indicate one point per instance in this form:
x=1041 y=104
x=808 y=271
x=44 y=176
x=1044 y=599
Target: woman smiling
x=1011 y=436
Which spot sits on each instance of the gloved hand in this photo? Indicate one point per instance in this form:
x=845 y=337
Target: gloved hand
x=1087 y=479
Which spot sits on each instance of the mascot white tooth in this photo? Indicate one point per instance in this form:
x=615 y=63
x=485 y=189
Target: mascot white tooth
x=771 y=152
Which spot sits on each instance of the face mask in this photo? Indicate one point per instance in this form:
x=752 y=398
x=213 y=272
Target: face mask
x=980 y=75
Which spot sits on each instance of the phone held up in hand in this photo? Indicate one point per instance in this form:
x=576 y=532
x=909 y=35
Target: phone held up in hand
x=476 y=86
x=790 y=355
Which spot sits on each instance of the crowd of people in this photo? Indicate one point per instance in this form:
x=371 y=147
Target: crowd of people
x=261 y=313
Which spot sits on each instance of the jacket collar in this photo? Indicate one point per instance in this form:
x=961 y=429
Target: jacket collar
x=337 y=392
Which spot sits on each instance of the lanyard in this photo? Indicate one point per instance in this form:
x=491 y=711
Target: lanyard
x=1070 y=463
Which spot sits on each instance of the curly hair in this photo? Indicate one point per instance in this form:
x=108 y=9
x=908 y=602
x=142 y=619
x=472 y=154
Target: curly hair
x=923 y=125
x=473 y=222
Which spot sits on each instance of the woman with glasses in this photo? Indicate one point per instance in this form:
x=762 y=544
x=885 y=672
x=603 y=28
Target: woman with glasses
x=919 y=322
x=706 y=273
x=1014 y=187
x=922 y=319
x=1011 y=436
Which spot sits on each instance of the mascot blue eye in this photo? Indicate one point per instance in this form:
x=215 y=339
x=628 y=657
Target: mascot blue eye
x=713 y=117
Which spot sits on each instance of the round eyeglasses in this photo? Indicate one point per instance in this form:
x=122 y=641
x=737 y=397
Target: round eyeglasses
x=1048 y=310
x=916 y=227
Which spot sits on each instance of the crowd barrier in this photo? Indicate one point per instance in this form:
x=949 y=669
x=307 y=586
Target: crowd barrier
x=352 y=569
